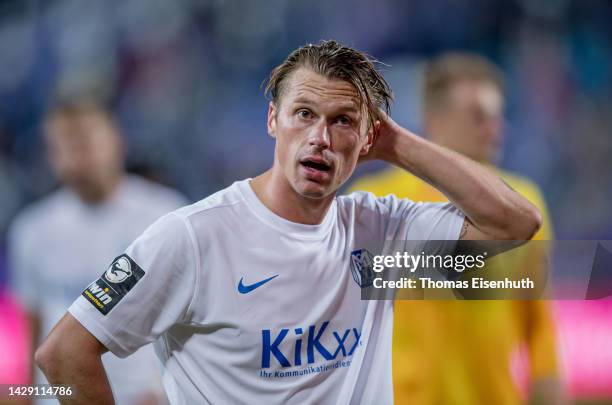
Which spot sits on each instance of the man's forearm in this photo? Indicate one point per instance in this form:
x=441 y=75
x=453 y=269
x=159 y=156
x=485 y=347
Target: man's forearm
x=71 y=355
x=486 y=200
x=86 y=376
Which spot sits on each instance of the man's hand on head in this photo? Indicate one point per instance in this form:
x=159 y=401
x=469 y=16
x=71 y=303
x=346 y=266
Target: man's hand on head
x=385 y=135
x=375 y=133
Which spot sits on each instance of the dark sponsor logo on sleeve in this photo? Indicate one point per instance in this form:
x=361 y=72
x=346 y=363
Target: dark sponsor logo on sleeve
x=121 y=276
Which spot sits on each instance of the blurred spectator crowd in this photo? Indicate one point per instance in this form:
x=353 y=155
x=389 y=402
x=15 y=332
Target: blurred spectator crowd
x=184 y=78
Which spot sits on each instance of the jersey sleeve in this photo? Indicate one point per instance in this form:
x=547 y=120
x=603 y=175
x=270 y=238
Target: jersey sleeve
x=403 y=219
x=144 y=291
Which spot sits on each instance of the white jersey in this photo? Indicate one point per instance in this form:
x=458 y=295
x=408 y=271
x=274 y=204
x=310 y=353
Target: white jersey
x=246 y=306
x=58 y=245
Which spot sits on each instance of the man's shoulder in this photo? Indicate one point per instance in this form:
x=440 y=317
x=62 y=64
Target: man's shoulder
x=222 y=200
x=201 y=219
x=356 y=198
x=367 y=201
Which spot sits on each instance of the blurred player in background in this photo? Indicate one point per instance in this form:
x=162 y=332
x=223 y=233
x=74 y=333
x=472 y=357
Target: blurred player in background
x=58 y=245
x=461 y=352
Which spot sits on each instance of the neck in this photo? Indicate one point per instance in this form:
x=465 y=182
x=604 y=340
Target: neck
x=275 y=192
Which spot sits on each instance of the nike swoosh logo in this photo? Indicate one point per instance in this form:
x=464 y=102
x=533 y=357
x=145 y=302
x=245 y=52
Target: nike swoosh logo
x=244 y=289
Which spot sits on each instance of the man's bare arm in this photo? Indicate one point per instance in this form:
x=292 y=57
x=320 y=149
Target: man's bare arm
x=71 y=355
x=493 y=210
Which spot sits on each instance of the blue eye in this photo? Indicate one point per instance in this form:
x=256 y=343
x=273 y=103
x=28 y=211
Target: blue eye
x=304 y=114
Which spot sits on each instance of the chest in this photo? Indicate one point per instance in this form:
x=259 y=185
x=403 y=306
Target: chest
x=292 y=302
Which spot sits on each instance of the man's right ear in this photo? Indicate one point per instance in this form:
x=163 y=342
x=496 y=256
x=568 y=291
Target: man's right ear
x=272 y=119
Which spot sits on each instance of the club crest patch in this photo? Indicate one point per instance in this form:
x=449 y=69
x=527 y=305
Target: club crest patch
x=119 y=270
x=362 y=267
x=120 y=277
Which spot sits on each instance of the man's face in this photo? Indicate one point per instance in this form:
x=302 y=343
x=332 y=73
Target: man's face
x=321 y=130
x=84 y=150
x=470 y=121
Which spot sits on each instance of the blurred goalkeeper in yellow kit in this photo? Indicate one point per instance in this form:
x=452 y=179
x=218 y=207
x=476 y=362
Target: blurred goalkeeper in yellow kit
x=462 y=352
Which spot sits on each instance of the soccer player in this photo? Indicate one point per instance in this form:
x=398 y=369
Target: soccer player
x=463 y=106
x=58 y=245
x=248 y=293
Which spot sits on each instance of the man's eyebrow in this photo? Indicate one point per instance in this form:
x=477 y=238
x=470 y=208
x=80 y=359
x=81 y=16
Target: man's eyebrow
x=345 y=107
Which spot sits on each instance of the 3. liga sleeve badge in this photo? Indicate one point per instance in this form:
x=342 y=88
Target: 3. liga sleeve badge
x=119 y=270
x=362 y=267
x=121 y=276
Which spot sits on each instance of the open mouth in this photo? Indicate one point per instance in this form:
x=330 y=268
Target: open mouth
x=316 y=164
x=323 y=167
